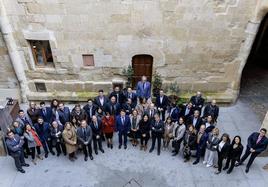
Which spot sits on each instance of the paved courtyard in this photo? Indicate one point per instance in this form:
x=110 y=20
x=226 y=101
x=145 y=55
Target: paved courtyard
x=137 y=168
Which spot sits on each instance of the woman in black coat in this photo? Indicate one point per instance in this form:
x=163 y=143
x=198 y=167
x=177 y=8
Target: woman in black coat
x=144 y=127
x=223 y=150
x=189 y=142
x=235 y=152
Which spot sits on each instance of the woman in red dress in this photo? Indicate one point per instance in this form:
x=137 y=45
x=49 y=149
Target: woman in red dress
x=108 y=128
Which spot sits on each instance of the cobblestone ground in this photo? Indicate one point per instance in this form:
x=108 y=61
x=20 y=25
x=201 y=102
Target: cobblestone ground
x=132 y=167
x=254 y=90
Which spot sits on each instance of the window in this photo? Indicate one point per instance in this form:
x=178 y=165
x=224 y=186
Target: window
x=88 y=60
x=40 y=87
x=41 y=52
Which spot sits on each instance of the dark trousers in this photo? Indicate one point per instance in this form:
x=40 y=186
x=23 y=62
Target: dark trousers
x=19 y=159
x=163 y=113
x=122 y=135
x=47 y=145
x=199 y=152
x=87 y=149
x=158 y=137
x=97 y=142
x=25 y=147
x=177 y=145
x=60 y=147
x=251 y=159
x=232 y=160
x=144 y=139
x=33 y=151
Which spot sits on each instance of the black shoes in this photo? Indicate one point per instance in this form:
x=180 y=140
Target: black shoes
x=96 y=152
x=25 y=165
x=85 y=159
x=125 y=146
x=158 y=153
x=58 y=154
x=225 y=168
x=195 y=162
x=151 y=150
x=101 y=150
x=174 y=153
x=111 y=146
x=119 y=147
x=247 y=170
x=46 y=155
x=21 y=170
x=91 y=157
x=52 y=152
x=228 y=172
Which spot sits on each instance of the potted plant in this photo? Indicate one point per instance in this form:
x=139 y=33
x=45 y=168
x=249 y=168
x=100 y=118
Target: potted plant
x=174 y=91
x=157 y=84
x=128 y=73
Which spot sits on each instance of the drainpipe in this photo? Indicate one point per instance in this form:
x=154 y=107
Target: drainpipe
x=13 y=52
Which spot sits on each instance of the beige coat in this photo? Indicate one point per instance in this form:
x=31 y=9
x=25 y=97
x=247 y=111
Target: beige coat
x=70 y=137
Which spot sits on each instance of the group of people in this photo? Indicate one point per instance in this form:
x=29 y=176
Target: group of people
x=133 y=115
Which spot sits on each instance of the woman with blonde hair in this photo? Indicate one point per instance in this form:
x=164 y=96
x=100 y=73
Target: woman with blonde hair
x=70 y=139
x=211 y=148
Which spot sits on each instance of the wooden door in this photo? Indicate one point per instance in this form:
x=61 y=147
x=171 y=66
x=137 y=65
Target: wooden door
x=142 y=65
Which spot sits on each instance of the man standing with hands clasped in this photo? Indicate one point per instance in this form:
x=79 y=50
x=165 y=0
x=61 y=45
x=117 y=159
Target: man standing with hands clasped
x=257 y=143
x=85 y=135
x=123 y=128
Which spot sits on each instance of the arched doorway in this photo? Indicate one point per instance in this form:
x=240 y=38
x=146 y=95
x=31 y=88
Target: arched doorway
x=142 y=65
x=254 y=80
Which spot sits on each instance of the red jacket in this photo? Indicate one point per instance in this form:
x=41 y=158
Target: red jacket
x=108 y=124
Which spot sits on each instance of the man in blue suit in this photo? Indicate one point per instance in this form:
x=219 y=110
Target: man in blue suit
x=144 y=88
x=46 y=112
x=122 y=127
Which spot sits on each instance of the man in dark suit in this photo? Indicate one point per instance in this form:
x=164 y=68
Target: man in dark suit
x=131 y=95
x=33 y=112
x=64 y=114
x=77 y=115
x=195 y=120
x=162 y=104
x=257 y=143
x=43 y=130
x=198 y=101
x=187 y=111
x=90 y=109
x=174 y=112
x=151 y=111
x=202 y=137
x=119 y=96
x=84 y=135
x=15 y=147
x=96 y=127
x=144 y=88
x=128 y=106
x=101 y=100
x=157 y=133
x=211 y=110
x=123 y=127
x=112 y=107
x=23 y=119
x=46 y=112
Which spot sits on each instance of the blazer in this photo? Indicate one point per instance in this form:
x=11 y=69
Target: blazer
x=33 y=114
x=134 y=126
x=30 y=139
x=47 y=115
x=203 y=141
x=128 y=108
x=79 y=117
x=15 y=147
x=64 y=115
x=43 y=131
x=211 y=110
x=197 y=101
x=56 y=134
x=98 y=103
x=260 y=146
x=174 y=113
x=90 y=111
x=98 y=130
x=84 y=138
x=131 y=96
x=24 y=121
x=148 y=112
x=121 y=97
x=224 y=150
x=198 y=123
x=144 y=127
x=235 y=153
x=143 y=91
x=158 y=127
x=212 y=144
x=191 y=112
x=190 y=140
x=108 y=125
x=178 y=131
x=122 y=128
x=164 y=104
x=108 y=108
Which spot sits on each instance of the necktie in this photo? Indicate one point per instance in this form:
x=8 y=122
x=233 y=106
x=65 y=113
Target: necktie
x=84 y=131
x=123 y=121
x=96 y=125
x=117 y=97
x=144 y=85
x=45 y=112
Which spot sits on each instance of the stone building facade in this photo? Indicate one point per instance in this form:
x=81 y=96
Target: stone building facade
x=201 y=45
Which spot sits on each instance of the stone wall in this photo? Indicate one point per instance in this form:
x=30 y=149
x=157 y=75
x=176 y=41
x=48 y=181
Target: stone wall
x=9 y=86
x=196 y=43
